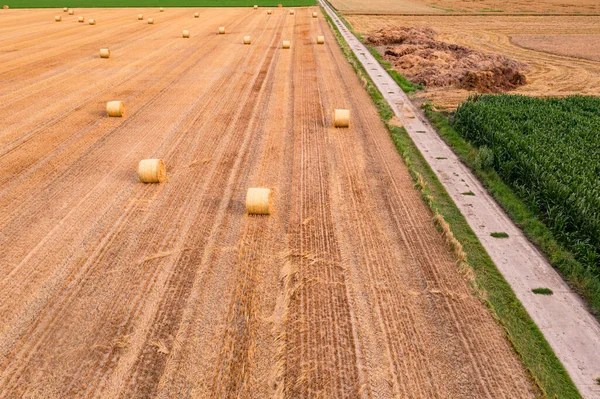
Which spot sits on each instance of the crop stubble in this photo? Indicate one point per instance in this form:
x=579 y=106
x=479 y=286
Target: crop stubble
x=112 y=288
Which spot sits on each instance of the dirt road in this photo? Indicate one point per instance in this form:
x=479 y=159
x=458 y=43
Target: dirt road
x=112 y=288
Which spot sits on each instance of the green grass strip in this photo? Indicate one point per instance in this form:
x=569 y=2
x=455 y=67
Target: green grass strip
x=545 y=370
x=155 y=3
x=542 y=291
x=581 y=278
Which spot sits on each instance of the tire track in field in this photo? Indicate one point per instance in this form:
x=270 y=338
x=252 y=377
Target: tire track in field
x=166 y=323
x=320 y=356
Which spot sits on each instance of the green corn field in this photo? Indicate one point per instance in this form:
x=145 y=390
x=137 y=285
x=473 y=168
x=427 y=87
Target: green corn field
x=548 y=151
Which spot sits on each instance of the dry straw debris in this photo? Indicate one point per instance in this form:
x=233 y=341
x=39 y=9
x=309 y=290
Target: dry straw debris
x=341 y=118
x=152 y=171
x=115 y=108
x=258 y=201
x=416 y=53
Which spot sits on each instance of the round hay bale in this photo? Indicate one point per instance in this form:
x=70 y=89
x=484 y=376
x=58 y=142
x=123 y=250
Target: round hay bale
x=221 y=30
x=258 y=201
x=186 y=34
x=104 y=53
x=161 y=9
x=150 y=21
x=292 y=12
x=71 y=12
x=255 y=7
x=58 y=18
x=115 y=108
x=65 y=9
x=341 y=118
x=5 y=7
x=279 y=5
x=80 y=19
x=247 y=40
x=140 y=17
x=320 y=39
x=92 y=22
x=196 y=15
x=286 y=44
x=152 y=171
x=269 y=12
x=315 y=14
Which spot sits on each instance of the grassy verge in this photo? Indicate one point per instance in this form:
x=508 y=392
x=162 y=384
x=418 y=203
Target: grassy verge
x=154 y=3
x=545 y=370
x=578 y=276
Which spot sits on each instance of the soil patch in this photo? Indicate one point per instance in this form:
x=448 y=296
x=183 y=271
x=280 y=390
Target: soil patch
x=416 y=53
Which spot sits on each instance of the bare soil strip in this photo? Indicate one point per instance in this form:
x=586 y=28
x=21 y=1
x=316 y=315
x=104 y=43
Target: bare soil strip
x=573 y=333
x=113 y=288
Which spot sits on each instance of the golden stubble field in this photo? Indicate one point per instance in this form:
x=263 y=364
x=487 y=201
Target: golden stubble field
x=562 y=52
x=112 y=288
x=497 y=7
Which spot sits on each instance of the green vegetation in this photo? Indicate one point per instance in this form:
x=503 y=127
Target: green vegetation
x=499 y=234
x=468 y=193
x=490 y=10
x=156 y=3
x=546 y=371
x=542 y=291
x=548 y=150
x=581 y=278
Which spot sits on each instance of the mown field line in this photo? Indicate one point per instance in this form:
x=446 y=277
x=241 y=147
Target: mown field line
x=571 y=331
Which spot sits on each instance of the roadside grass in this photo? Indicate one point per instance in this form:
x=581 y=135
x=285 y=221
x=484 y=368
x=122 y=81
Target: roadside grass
x=499 y=234
x=155 y=3
x=581 y=278
x=545 y=370
x=542 y=291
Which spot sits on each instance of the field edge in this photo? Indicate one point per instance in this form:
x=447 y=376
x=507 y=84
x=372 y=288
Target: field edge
x=545 y=370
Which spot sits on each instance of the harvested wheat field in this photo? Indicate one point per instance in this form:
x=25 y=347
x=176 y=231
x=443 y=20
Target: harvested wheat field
x=494 y=7
x=558 y=56
x=114 y=288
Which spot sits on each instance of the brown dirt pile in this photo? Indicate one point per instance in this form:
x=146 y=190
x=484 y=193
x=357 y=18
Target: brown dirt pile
x=417 y=54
